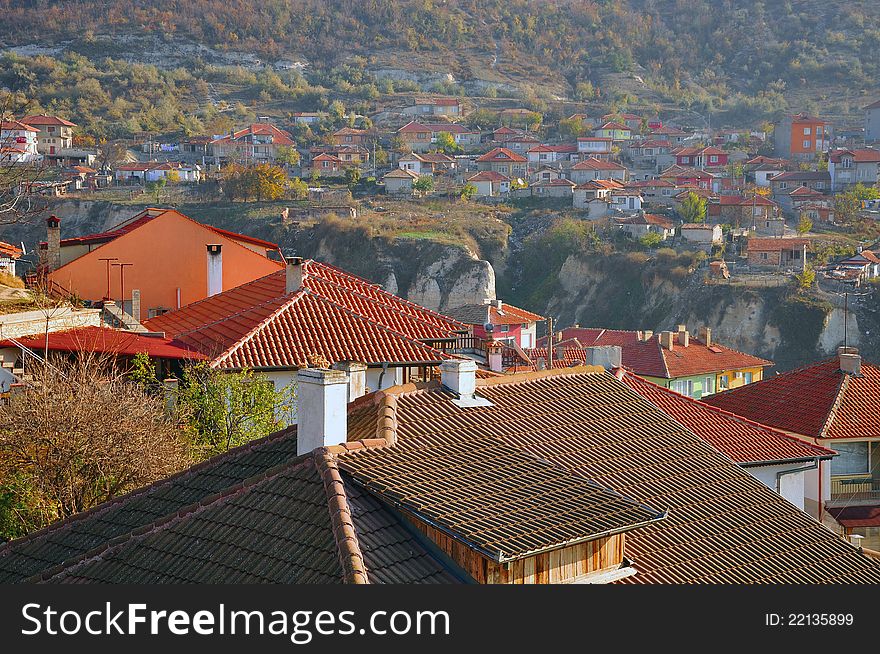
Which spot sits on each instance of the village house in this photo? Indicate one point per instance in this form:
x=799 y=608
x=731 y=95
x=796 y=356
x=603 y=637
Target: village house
x=674 y=135
x=55 y=133
x=692 y=366
x=515 y=140
x=785 y=464
x=556 y=188
x=505 y=162
x=426 y=483
x=653 y=153
x=643 y=223
x=594 y=147
x=614 y=131
x=509 y=324
x=801 y=137
x=400 y=181
x=18 y=143
x=626 y=200
x=352 y=136
x=778 y=253
x=396 y=341
x=706 y=157
x=450 y=107
x=9 y=254
x=327 y=165
x=658 y=191
x=544 y=173
x=170 y=260
x=428 y=163
x=349 y=155
x=490 y=184
x=308 y=117
x=705 y=235
x=848 y=167
x=547 y=154
x=258 y=143
x=793 y=200
x=865 y=266
x=872 y=122
x=195 y=147
x=632 y=121
x=686 y=176
x=421 y=137
x=595 y=197
x=740 y=211
x=151 y=171
x=761 y=168
x=834 y=403
x=590 y=169
x=784 y=183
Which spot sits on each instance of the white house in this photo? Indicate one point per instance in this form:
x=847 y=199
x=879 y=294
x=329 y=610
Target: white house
x=627 y=200
x=490 y=184
x=591 y=168
x=18 y=143
x=705 y=234
x=400 y=181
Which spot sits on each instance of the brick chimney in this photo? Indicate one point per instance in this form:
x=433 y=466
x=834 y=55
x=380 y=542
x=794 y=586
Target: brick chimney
x=683 y=336
x=850 y=361
x=53 y=242
x=667 y=340
x=357 y=378
x=215 y=269
x=294 y=278
x=322 y=398
x=706 y=336
x=460 y=376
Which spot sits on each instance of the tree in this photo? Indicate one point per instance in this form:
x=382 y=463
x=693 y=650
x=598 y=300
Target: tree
x=804 y=224
x=571 y=127
x=424 y=184
x=81 y=435
x=156 y=187
x=225 y=409
x=693 y=209
x=651 y=240
x=263 y=182
x=806 y=279
x=848 y=204
x=271 y=182
x=352 y=176
x=288 y=155
x=399 y=146
x=446 y=143
x=299 y=190
x=468 y=191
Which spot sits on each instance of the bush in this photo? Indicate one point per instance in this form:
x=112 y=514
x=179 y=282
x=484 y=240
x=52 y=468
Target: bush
x=11 y=280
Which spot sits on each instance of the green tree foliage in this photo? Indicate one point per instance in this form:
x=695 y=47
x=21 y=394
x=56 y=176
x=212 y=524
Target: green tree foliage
x=223 y=410
x=651 y=240
x=446 y=143
x=693 y=209
x=287 y=155
x=806 y=279
x=804 y=224
x=424 y=184
x=299 y=190
x=352 y=176
x=468 y=191
x=155 y=187
x=571 y=128
x=848 y=204
x=260 y=182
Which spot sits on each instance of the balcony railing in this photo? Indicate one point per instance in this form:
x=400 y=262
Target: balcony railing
x=862 y=490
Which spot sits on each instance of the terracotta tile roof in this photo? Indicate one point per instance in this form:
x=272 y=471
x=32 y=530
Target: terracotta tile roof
x=648 y=359
x=488 y=176
x=856 y=516
x=597 y=164
x=805 y=191
x=744 y=441
x=259 y=325
x=560 y=181
x=501 y=155
x=595 y=139
x=104 y=340
x=802 y=176
x=149 y=214
x=279 y=136
x=646 y=219
x=865 y=155
x=258 y=514
x=479 y=314
x=400 y=173
x=818 y=401
x=43 y=119
x=722 y=526
x=683 y=172
x=777 y=244
x=16 y=126
x=9 y=250
x=614 y=126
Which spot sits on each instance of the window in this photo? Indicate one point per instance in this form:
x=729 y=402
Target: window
x=708 y=386
x=503 y=328
x=683 y=386
x=852 y=459
x=806 y=131
x=783 y=184
x=51 y=129
x=713 y=158
x=685 y=159
x=722 y=382
x=747 y=376
x=807 y=144
x=765 y=255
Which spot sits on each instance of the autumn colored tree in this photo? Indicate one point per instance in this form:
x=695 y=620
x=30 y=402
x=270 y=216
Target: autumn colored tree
x=446 y=143
x=693 y=209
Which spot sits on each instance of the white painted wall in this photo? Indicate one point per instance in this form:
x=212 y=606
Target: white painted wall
x=392 y=377
x=792 y=487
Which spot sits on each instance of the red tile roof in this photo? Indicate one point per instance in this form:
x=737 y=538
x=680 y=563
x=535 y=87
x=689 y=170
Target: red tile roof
x=738 y=200
x=856 y=516
x=279 y=136
x=43 y=119
x=744 y=441
x=858 y=155
x=103 y=340
x=591 y=163
x=818 y=401
x=149 y=214
x=614 y=126
x=501 y=155
x=479 y=314
x=776 y=244
x=649 y=359
x=17 y=126
x=337 y=315
x=9 y=250
x=488 y=176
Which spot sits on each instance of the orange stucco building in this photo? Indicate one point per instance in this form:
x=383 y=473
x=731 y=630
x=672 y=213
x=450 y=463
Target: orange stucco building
x=802 y=136
x=174 y=261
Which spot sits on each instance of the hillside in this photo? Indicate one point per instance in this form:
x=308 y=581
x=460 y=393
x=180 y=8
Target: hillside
x=697 y=56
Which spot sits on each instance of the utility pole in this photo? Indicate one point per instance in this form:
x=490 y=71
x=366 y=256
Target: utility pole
x=550 y=343
x=108 y=260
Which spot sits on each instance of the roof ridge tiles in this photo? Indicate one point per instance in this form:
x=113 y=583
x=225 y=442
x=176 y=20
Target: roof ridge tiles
x=166 y=520
x=72 y=520
x=347 y=545
x=842 y=387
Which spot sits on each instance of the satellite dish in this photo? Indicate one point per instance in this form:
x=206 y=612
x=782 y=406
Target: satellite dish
x=489 y=327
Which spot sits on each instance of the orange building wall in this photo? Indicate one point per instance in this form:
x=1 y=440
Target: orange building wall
x=798 y=137
x=168 y=253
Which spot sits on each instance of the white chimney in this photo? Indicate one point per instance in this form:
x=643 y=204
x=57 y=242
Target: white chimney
x=648 y=334
x=683 y=336
x=607 y=356
x=215 y=269
x=460 y=376
x=136 y=304
x=322 y=405
x=495 y=355
x=357 y=378
x=851 y=364
x=294 y=277
x=667 y=340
